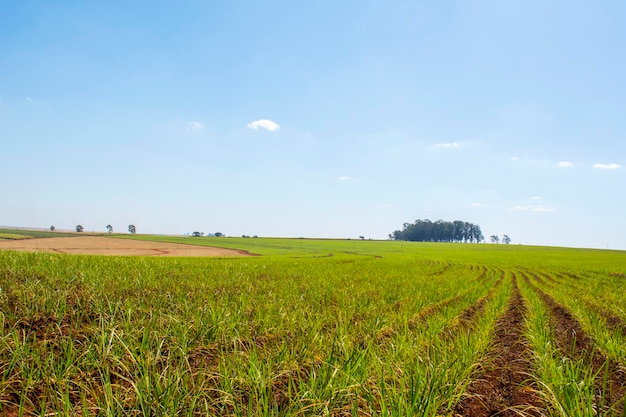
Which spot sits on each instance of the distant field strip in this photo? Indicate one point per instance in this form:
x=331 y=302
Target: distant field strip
x=12 y=236
x=376 y=329
x=98 y=245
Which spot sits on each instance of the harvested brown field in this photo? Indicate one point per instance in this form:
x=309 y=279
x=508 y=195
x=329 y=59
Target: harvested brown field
x=98 y=245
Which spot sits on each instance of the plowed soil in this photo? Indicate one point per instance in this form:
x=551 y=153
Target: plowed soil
x=502 y=388
x=574 y=342
x=468 y=317
x=97 y=245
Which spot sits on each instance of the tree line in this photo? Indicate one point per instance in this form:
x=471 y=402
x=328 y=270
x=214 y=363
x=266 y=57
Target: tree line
x=439 y=231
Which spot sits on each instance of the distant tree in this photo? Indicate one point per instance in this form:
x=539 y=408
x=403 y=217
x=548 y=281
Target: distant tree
x=218 y=234
x=362 y=237
x=132 y=229
x=478 y=234
x=110 y=228
x=255 y=237
x=494 y=239
x=506 y=239
x=52 y=228
x=79 y=228
x=197 y=234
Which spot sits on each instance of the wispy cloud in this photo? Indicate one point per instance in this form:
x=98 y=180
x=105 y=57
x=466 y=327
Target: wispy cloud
x=607 y=166
x=264 y=124
x=536 y=198
x=346 y=178
x=477 y=205
x=514 y=158
x=195 y=126
x=565 y=164
x=447 y=145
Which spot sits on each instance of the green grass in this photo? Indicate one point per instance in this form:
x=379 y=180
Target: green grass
x=13 y=236
x=30 y=233
x=294 y=332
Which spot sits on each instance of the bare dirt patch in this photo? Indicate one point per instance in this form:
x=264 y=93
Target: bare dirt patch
x=98 y=245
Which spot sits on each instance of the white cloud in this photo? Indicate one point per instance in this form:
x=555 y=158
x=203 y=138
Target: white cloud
x=607 y=166
x=514 y=158
x=447 y=145
x=477 y=205
x=346 y=178
x=564 y=164
x=535 y=198
x=265 y=124
x=195 y=126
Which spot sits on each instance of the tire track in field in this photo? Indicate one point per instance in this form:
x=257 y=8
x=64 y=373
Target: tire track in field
x=501 y=388
x=576 y=344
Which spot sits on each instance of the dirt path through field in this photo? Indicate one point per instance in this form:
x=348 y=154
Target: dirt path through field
x=98 y=245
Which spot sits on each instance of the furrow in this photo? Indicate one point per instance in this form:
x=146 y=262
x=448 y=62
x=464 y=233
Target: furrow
x=574 y=343
x=502 y=386
x=468 y=317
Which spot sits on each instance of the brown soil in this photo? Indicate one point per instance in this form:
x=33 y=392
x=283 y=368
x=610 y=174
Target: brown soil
x=501 y=388
x=441 y=271
x=97 y=245
x=574 y=342
x=431 y=310
x=482 y=273
x=469 y=316
x=539 y=279
x=613 y=321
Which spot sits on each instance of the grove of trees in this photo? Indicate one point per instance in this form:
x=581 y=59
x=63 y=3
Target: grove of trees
x=439 y=231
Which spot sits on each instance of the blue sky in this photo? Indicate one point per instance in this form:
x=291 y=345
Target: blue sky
x=316 y=119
